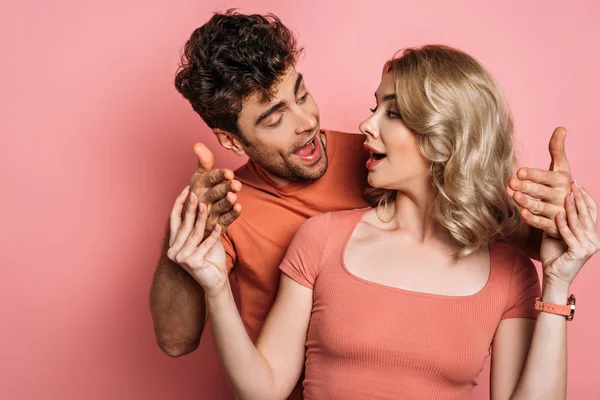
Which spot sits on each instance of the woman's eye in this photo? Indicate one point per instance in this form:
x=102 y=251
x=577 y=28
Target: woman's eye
x=303 y=98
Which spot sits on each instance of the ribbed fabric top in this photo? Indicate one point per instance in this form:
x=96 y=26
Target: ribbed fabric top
x=367 y=340
x=258 y=240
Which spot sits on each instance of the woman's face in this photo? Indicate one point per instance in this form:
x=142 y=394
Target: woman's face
x=396 y=162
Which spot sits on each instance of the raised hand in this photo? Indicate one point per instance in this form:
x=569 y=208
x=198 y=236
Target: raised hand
x=541 y=194
x=217 y=189
x=203 y=258
x=562 y=259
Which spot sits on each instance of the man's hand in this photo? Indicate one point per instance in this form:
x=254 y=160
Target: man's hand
x=541 y=194
x=217 y=189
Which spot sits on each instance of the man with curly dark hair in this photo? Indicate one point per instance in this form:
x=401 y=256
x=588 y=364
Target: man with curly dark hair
x=238 y=73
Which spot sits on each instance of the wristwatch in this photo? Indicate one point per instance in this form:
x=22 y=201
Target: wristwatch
x=568 y=310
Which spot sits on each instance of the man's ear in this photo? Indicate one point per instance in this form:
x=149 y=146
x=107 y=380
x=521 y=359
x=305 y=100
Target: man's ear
x=229 y=141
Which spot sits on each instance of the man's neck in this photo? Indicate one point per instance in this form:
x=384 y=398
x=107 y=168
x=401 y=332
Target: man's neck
x=279 y=181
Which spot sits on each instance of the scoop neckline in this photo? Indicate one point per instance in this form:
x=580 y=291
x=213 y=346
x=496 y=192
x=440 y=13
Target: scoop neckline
x=480 y=292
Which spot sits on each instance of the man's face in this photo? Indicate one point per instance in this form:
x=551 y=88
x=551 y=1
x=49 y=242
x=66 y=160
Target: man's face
x=283 y=134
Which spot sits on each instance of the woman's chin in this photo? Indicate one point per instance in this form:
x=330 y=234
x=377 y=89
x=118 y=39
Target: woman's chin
x=371 y=180
x=375 y=183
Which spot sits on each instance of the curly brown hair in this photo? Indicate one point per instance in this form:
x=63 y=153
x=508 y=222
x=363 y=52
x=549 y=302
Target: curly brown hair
x=231 y=57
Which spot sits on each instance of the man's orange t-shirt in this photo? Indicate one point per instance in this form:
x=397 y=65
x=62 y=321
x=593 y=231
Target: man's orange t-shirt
x=257 y=241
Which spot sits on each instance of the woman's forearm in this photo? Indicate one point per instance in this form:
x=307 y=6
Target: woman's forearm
x=545 y=372
x=249 y=374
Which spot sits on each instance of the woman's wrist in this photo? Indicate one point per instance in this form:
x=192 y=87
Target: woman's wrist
x=555 y=290
x=218 y=298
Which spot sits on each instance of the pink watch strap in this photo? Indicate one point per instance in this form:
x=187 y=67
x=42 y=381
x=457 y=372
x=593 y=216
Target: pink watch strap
x=567 y=310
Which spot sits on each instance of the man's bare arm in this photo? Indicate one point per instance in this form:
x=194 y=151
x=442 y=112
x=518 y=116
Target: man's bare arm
x=178 y=307
x=177 y=301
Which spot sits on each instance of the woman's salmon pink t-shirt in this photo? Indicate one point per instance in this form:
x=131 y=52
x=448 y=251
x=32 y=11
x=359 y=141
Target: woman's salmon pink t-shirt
x=367 y=340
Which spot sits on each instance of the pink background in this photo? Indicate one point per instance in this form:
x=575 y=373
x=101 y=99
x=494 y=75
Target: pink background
x=96 y=143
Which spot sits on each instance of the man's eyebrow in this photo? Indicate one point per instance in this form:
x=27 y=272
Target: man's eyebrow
x=281 y=104
x=276 y=107
x=298 y=83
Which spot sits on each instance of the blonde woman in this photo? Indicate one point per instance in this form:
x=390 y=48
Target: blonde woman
x=407 y=299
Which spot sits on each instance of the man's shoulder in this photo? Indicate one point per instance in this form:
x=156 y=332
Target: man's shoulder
x=345 y=136
x=255 y=190
x=349 y=144
x=247 y=174
x=242 y=169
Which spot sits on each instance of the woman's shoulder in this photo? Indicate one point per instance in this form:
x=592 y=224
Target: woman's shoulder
x=331 y=222
x=344 y=217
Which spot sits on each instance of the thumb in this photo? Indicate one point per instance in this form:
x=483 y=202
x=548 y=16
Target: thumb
x=556 y=147
x=205 y=157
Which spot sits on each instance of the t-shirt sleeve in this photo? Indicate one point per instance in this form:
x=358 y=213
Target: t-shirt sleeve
x=230 y=254
x=303 y=258
x=524 y=289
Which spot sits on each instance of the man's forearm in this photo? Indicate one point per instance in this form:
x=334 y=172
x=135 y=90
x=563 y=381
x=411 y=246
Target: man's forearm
x=532 y=244
x=178 y=307
x=528 y=240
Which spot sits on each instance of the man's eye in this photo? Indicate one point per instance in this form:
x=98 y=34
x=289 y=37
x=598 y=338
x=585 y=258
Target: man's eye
x=276 y=123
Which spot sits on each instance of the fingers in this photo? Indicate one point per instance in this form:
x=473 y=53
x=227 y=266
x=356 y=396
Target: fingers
x=196 y=235
x=573 y=219
x=175 y=220
x=224 y=205
x=539 y=222
x=185 y=228
x=228 y=218
x=565 y=232
x=221 y=190
x=200 y=252
x=583 y=211
x=556 y=148
x=591 y=204
x=580 y=234
x=587 y=219
x=540 y=176
x=210 y=241
x=216 y=176
x=541 y=192
x=533 y=205
x=205 y=157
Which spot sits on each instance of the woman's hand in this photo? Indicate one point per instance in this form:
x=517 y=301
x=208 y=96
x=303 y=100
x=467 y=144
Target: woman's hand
x=563 y=259
x=203 y=259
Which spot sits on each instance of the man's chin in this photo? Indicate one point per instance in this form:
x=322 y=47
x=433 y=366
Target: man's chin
x=315 y=171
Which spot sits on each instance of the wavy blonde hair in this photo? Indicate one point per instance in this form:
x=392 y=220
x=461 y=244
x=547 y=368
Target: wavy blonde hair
x=463 y=126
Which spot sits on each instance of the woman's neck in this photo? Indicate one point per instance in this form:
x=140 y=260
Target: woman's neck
x=411 y=213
